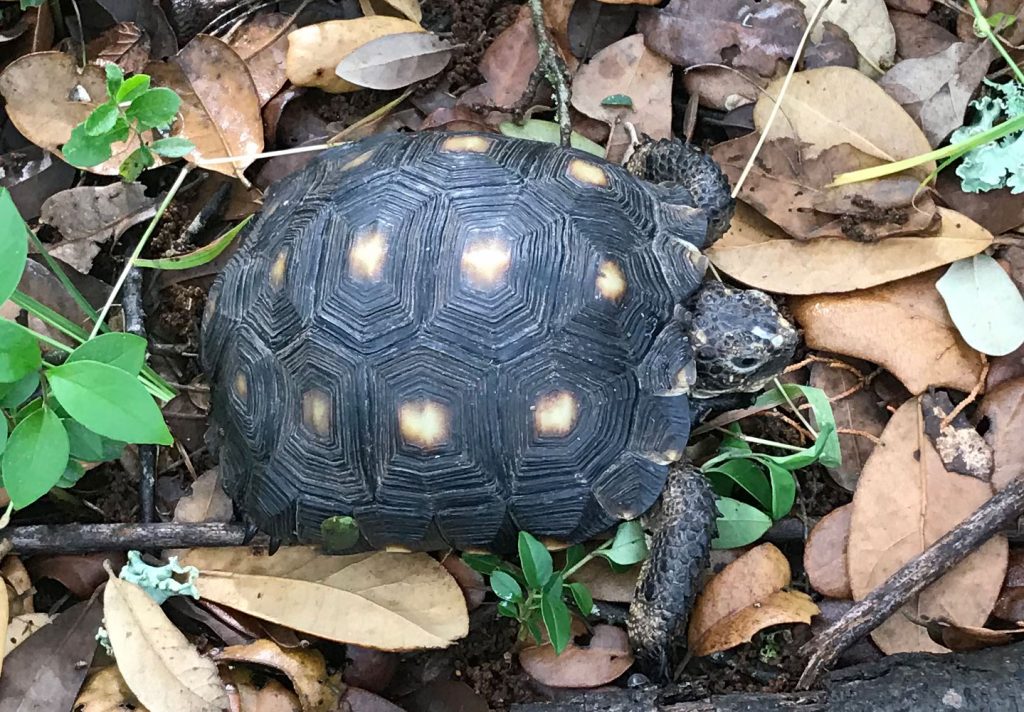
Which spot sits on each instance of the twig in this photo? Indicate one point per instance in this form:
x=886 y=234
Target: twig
x=911 y=579
x=551 y=63
x=133 y=323
x=971 y=397
x=860 y=433
x=85 y=538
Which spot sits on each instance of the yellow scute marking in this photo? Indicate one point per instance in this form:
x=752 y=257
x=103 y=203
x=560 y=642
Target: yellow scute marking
x=587 y=172
x=466 y=144
x=554 y=414
x=424 y=423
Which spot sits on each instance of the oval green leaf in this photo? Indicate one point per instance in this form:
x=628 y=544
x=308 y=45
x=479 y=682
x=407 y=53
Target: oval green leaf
x=783 y=490
x=108 y=401
x=536 y=561
x=13 y=246
x=629 y=545
x=505 y=587
x=984 y=304
x=581 y=595
x=12 y=395
x=120 y=350
x=739 y=525
x=747 y=474
x=154 y=107
x=3 y=432
x=556 y=616
x=35 y=457
x=19 y=352
x=549 y=132
x=87 y=446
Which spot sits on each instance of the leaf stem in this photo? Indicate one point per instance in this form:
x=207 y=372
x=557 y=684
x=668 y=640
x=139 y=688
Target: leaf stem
x=586 y=559
x=799 y=413
x=981 y=22
x=760 y=441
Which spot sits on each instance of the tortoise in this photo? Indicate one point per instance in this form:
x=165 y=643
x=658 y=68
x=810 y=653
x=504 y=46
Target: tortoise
x=452 y=337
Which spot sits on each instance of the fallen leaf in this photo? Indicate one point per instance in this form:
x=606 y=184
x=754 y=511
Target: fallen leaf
x=919 y=37
x=859 y=411
x=1010 y=604
x=124 y=44
x=257 y=694
x=150 y=17
x=395 y=60
x=156 y=661
x=409 y=9
x=5 y=616
x=46 y=671
x=833 y=105
x=507 y=64
x=32 y=175
x=383 y=600
x=985 y=304
x=965 y=638
x=868 y=26
x=372 y=669
x=262 y=44
x=759 y=254
x=626 y=68
x=38 y=89
x=364 y=701
x=472 y=583
x=960 y=447
x=21 y=589
x=591 y=25
x=751 y=578
x=832 y=49
x=935 y=90
x=207 y=503
x=778 y=608
x=21 y=627
x=315 y=50
x=220 y=109
x=80 y=574
x=90 y=215
x=791 y=188
x=825 y=554
x=730 y=32
x=722 y=88
x=1003 y=409
x=904 y=502
x=106 y=691
x=306 y=669
x=902 y=326
x=605 y=584
x=603 y=659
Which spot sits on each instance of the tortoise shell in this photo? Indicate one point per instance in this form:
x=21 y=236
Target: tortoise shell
x=452 y=337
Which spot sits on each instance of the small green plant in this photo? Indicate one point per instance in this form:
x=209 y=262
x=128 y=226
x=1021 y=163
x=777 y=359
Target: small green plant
x=132 y=108
x=80 y=404
x=767 y=481
x=535 y=594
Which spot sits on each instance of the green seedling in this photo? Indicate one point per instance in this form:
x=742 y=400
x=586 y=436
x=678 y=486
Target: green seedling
x=133 y=108
x=534 y=594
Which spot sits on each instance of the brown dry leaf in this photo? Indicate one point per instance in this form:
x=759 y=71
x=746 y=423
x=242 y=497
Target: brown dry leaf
x=598 y=663
x=90 y=215
x=207 y=503
x=758 y=253
x=20 y=583
x=106 y=691
x=790 y=187
x=21 y=627
x=395 y=61
x=902 y=326
x=904 y=502
x=156 y=660
x=917 y=36
x=832 y=105
x=721 y=88
x=472 y=583
x=778 y=608
x=605 y=584
x=730 y=32
x=262 y=44
x=859 y=411
x=1003 y=407
x=965 y=638
x=752 y=577
x=868 y=26
x=935 y=90
x=5 y=614
x=315 y=50
x=506 y=66
x=306 y=669
x=256 y=695
x=124 y=44
x=832 y=49
x=38 y=90
x=1010 y=605
x=81 y=574
x=626 y=67
x=409 y=9
x=220 y=110
x=383 y=600
x=825 y=554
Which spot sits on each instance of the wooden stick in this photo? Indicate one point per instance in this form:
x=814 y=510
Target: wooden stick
x=867 y=614
x=85 y=538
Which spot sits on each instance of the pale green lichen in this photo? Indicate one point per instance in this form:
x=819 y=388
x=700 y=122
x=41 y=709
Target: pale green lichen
x=159 y=581
x=997 y=164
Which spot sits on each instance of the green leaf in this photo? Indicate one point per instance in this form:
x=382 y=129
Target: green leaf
x=3 y=432
x=581 y=595
x=132 y=88
x=535 y=560
x=137 y=161
x=485 y=564
x=739 y=524
x=984 y=304
x=101 y=120
x=531 y=626
x=505 y=587
x=747 y=473
x=783 y=490
x=85 y=151
x=124 y=351
x=556 y=616
x=28 y=409
x=26 y=4
x=73 y=472
x=87 y=446
x=115 y=79
x=629 y=545
x=19 y=352
x=108 y=401
x=339 y=534
x=574 y=555
x=173 y=147
x=13 y=246
x=508 y=609
x=35 y=457
x=154 y=107
x=14 y=394
x=548 y=132
x=618 y=100
x=202 y=256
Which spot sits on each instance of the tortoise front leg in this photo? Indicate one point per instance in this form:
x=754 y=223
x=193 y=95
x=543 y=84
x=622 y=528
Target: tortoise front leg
x=682 y=525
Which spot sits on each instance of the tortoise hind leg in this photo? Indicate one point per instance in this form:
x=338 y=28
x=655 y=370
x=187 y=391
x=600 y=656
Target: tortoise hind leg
x=682 y=526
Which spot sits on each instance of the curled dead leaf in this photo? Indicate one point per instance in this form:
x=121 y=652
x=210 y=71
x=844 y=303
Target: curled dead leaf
x=124 y=44
x=208 y=501
x=106 y=691
x=964 y=638
x=902 y=326
x=603 y=659
x=262 y=43
x=825 y=554
x=740 y=627
x=381 y=600
x=306 y=669
x=81 y=574
x=758 y=253
x=904 y=502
